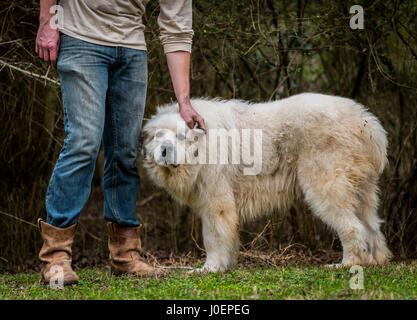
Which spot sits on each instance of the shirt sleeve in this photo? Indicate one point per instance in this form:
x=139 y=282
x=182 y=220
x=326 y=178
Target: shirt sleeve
x=175 y=23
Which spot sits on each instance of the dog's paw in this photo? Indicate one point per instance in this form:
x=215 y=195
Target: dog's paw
x=206 y=269
x=198 y=270
x=338 y=265
x=335 y=265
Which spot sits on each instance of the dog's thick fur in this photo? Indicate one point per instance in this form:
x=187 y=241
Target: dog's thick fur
x=327 y=150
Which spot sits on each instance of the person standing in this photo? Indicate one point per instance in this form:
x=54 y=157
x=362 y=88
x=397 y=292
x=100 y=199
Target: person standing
x=99 y=50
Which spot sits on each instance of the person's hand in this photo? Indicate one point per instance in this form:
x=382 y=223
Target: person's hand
x=191 y=117
x=47 y=42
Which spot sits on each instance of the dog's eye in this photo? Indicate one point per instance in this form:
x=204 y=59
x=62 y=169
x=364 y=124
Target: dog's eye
x=159 y=133
x=180 y=136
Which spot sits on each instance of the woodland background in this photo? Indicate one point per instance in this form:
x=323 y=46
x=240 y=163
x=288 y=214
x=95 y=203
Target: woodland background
x=256 y=50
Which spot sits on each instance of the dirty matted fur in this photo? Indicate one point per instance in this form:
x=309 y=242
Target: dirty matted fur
x=326 y=150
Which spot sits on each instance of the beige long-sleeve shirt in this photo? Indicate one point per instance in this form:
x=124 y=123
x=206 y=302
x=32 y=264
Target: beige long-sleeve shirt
x=119 y=22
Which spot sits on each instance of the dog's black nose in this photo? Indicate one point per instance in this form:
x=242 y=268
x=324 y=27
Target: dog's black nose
x=166 y=147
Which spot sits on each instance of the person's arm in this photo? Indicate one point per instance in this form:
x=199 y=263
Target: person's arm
x=179 y=68
x=175 y=23
x=47 y=39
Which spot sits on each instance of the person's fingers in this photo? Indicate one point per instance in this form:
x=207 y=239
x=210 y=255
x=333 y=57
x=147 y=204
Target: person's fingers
x=36 y=48
x=192 y=118
x=201 y=123
x=53 y=55
x=40 y=49
x=190 y=123
x=45 y=53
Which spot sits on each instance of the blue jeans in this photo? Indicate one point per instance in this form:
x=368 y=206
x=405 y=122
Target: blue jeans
x=103 y=95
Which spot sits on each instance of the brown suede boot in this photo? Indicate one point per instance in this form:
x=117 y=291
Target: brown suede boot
x=56 y=252
x=125 y=246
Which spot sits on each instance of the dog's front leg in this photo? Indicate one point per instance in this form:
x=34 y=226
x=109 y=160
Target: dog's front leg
x=221 y=238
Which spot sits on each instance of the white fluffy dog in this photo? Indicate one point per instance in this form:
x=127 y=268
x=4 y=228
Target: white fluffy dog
x=327 y=150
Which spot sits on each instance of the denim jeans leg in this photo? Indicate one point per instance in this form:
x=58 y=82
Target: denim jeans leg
x=126 y=99
x=83 y=70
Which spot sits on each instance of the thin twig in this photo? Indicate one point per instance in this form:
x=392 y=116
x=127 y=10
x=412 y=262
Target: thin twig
x=149 y=198
x=90 y=234
x=19 y=219
x=11 y=41
x=31 y=74
x=175 y=267
x=259 y=235
x=193 y=238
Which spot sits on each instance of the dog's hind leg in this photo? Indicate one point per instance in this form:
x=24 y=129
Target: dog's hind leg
x=332 y=199
x=368 y=214
x=356 y=242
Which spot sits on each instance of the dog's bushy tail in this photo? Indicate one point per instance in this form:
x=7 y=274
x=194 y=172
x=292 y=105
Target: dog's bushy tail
x=377 y=137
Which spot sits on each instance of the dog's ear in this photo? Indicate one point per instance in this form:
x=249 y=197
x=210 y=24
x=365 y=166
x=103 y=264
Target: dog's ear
x=198 y=132
x=143 y=140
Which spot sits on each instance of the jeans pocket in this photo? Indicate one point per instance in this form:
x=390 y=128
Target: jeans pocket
x=68 y=43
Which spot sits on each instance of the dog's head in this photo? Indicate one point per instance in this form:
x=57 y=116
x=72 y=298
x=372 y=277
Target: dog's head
x=166 y=141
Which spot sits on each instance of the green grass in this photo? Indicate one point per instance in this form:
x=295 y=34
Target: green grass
x=394 y=281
